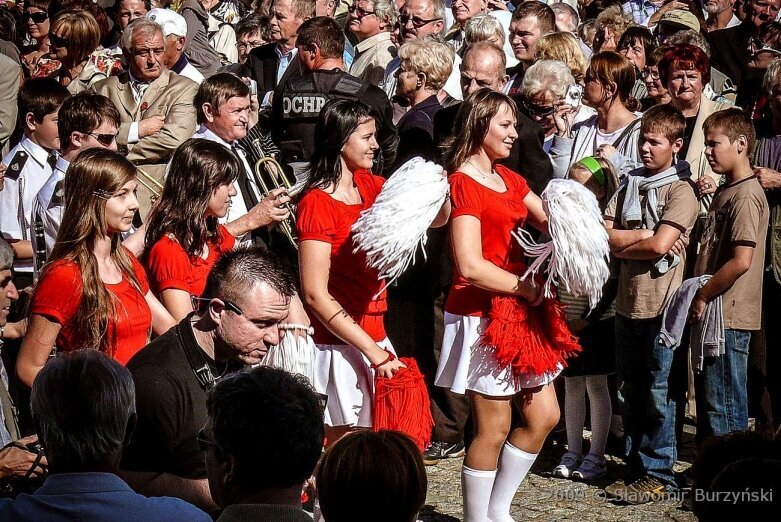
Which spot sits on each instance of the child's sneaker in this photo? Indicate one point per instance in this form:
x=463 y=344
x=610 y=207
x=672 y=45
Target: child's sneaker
x=591 y=468
x=568 y=463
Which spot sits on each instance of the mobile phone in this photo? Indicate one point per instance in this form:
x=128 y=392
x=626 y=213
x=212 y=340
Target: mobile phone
x=253 y=87
x=574 y=95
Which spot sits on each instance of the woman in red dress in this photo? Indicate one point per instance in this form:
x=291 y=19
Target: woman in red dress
x=488 y=202
x=184 y=239
x=93 y=292
x=337 y=286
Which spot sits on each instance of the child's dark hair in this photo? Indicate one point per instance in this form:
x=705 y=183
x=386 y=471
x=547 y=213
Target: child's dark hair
x=732 y=123
x=664 y=119
x=40 y=96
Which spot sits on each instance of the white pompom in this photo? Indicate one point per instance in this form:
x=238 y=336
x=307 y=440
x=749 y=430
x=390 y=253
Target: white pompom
x=393 y=227
x=577 y=255
x=294 y=354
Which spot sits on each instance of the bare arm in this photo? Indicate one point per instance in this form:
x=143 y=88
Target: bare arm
x=36 y=348
x=468 y=258
x=537 y=216
x=177 y=302
x=161 y=319
x=653 y=247
x=315 y=263
x=151 y=484
x=621 y=239
x=443 y=216
x=723 y=279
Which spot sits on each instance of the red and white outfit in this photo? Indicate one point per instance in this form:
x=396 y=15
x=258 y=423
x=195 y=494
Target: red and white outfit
x=170 y=267
x=464 y=364
x=58 y=295
x=341 y=371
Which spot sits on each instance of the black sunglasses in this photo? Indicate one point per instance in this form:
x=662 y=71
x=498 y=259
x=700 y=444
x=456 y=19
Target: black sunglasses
x=361 y=12
x=38 y=17
x=230 y=305
x=58 y=41
x=417 y=23
x=203 y=443
x=538 y=110
x=104 y=139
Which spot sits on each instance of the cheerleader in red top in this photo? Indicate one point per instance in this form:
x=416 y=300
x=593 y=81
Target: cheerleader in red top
x=488 y=202
x=336 y=284
x=92 y=293
x=183 y=238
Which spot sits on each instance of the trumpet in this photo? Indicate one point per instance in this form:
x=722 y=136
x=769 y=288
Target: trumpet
x=269 y=175
x=151 y=184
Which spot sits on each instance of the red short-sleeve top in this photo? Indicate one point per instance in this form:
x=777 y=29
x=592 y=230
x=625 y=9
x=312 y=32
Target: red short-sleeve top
x=58 y=295
x=169 y=266
x=351 y=282
x=499 y=214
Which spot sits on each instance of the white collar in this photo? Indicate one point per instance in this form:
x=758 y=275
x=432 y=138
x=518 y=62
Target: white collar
x=38 y=153
x=207 y=134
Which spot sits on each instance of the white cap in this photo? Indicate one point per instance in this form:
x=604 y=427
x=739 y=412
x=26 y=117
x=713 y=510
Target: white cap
x=170 y=21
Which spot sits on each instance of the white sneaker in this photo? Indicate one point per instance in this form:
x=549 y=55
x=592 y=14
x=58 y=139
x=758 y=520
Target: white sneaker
x=568 y=463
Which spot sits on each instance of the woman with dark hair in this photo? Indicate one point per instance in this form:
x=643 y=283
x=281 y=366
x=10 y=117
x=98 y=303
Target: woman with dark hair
x=379 y=473
x=343 y=293
x=613 y=132
x=93 y=292
x=490 y=201
x=657 y=93
x=183 y=237
x=73 y=37
x=35 y=20
x=685 y=71
x=637 y=43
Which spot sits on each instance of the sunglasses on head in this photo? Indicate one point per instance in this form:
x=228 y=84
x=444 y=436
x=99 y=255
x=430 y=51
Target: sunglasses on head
x=758 y=46
x=58 y=41
x=38 y=17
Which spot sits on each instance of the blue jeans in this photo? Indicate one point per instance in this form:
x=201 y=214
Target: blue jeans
x=722 y=402
x=646 y=398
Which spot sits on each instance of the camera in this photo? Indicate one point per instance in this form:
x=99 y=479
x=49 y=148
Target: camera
x=574 y=95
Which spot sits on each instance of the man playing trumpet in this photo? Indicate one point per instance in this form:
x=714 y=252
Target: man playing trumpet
x=222 y=106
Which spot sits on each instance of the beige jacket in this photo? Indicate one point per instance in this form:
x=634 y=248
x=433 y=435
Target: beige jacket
x=170 y=96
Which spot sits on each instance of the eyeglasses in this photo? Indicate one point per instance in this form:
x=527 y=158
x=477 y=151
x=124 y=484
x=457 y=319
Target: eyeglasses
x=248 y=46
x=37 y=17
x=203 y=443
x=104 y=139
x=654 y=75
x=417 y=23
x=538 y=110
x=230 y=305
x=57 y=41
x=361 y=13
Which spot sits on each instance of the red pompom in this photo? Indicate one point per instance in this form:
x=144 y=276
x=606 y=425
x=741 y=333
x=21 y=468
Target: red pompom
x=401 y=403
x=530 y=339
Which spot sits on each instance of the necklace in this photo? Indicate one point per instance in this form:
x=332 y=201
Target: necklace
x=347 y=198
x=490 y=177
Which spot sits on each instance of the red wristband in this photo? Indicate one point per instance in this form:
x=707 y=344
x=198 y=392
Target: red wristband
x=391 y=357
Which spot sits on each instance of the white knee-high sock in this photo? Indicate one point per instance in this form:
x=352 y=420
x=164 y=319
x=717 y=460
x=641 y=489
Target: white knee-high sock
x=514 y=464
x=575 y=412
x=599 y=400
x=476 y=486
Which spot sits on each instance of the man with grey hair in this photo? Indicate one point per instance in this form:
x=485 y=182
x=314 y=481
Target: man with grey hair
x=155 y=104
x=720 y=14
x=83 y=406
x=247 y=295
x=420 y=19
x=371 y=21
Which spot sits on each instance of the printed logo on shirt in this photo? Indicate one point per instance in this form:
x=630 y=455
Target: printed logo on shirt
x=303 y=106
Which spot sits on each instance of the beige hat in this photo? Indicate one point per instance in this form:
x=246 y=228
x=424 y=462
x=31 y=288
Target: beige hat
x=680 y=18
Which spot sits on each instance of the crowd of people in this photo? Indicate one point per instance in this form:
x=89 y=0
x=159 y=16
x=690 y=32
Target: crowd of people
x=152 y=258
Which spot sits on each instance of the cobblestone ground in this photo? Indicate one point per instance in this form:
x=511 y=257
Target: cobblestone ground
x=545 y=498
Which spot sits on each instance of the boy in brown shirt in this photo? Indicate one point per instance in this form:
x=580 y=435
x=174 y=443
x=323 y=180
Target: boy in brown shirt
x=732 y=250
x=648 y=223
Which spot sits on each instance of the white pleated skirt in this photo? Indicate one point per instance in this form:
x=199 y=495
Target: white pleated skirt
x=345 y=375
x=465 y=365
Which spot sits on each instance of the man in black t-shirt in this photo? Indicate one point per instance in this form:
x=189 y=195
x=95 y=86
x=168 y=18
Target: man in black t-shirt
x=248 y=293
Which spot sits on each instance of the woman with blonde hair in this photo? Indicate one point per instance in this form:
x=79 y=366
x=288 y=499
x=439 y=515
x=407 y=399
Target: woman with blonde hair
x=613 y=131
x=73 y=37
x=488 y=202
x=564 y=48
x=93 y=292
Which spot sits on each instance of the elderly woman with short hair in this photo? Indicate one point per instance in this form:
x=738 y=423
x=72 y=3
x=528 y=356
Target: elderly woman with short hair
x=483 y=28
x=425 y=67
x=544 y=85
